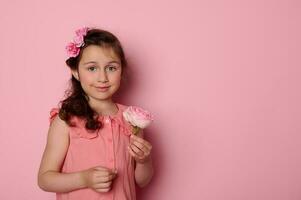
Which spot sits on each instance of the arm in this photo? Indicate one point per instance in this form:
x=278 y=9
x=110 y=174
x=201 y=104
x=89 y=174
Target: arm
x=49 y=177
x=144 y=168
x=144 y=173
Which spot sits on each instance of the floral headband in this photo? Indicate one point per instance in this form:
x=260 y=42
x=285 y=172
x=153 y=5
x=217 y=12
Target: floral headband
x=73 y=47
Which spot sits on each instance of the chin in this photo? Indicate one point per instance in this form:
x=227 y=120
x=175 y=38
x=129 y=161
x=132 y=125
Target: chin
x=106 y=96
x=103 y=96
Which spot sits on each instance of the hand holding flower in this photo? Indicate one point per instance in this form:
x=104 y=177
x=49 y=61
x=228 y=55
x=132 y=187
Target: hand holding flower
x=140 y=149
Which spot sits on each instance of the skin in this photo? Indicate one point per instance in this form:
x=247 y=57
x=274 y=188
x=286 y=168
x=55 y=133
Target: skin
x=98 y=67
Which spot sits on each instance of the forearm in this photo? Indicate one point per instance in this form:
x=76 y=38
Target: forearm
x=144 y=172
x=52 y=181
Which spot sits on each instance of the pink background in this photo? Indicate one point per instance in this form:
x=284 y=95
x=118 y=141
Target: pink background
x=221 y=78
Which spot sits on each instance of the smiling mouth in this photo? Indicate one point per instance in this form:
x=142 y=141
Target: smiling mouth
x=102 y=89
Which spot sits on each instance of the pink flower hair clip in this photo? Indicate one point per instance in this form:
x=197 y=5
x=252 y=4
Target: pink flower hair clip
x=73 y=47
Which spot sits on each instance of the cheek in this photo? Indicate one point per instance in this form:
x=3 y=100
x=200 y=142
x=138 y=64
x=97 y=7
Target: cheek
x=86 y=79
x=116 y=78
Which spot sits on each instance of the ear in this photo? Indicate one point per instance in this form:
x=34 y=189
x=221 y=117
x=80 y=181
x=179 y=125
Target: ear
x=75 y=74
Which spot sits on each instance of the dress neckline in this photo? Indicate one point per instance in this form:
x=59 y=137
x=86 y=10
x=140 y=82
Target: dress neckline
x=113 y=115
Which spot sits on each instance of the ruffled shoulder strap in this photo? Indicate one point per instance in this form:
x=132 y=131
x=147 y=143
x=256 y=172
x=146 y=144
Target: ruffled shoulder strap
x=53 y=113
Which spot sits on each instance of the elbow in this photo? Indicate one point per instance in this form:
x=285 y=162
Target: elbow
x=142 y=185
x=41 y=182
x=145 y=182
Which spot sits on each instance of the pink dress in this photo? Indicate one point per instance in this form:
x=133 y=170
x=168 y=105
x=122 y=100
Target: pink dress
x=106 y=147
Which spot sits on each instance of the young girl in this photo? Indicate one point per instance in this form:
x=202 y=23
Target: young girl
x=89 y=145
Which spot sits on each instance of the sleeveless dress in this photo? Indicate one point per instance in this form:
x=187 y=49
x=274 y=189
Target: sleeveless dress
x=106 y=147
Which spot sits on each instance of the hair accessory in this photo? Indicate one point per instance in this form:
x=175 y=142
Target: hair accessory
x=73 y=47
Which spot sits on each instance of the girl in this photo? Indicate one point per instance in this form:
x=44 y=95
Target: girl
x=89 y=144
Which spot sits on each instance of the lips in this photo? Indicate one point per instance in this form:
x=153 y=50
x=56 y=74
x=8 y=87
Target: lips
x=102 y=89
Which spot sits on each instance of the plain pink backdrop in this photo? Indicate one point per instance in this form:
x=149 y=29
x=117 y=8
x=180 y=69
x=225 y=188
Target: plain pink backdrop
x=221 y=78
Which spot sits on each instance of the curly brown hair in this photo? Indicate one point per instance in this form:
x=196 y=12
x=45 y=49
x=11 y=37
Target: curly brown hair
x=76 y=101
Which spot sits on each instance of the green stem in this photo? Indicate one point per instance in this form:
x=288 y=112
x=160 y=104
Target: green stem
x=136 y=129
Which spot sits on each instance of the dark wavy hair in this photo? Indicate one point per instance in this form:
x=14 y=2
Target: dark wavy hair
x=76 y=100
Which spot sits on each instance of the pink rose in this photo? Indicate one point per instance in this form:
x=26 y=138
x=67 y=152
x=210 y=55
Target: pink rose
x=72 y=49
x=137 y=117
x=79 y=37
x=78 y=40
x=82 y=31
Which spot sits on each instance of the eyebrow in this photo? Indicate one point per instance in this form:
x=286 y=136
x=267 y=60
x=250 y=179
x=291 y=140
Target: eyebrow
x=113 y=61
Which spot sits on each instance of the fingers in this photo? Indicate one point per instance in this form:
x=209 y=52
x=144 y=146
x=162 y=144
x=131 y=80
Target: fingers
x=140 y=146
x=103 y=187
x=102 y=174
x=103 y=179
x=134 y=154
x=137 y=150
x=101 y=168
x=140 y=141
x=137 y=153
x=105 y=171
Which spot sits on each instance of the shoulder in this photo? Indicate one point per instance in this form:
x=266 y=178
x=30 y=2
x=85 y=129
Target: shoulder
x=58 y=128
x=56 y=122
x=58 y=134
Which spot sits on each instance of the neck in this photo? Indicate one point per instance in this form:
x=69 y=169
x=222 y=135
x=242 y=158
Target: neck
x=105 y=107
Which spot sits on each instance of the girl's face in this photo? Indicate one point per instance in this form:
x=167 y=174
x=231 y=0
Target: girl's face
x=99 y=67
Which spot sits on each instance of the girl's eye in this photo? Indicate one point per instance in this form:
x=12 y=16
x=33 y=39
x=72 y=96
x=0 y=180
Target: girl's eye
x=111 y=68
x=92 y=68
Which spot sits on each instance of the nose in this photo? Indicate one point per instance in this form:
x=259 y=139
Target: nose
x=102 y=76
